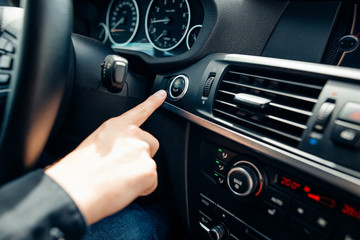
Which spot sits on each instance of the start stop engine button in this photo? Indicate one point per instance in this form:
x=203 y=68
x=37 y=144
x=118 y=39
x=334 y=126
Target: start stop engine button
x=178 y=87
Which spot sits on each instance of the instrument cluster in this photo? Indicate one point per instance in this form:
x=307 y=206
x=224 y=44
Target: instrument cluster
x=156 y=27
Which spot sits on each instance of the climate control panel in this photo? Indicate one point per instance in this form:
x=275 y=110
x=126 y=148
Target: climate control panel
x=261 y=191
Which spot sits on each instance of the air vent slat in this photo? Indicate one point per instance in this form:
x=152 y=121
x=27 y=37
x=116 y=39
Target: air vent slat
x=274 y=92
x=288 y=122
x=307 y=113
x=289 y=103
x=256 y=116
x=302 y=126
x=259 y=126
x=317 y=87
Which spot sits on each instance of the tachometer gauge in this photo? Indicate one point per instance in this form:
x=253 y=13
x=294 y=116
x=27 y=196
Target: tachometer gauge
x=122 y=20
x=166 y=23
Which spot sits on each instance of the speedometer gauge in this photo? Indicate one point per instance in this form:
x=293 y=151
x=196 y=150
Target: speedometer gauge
x=122 y=20
x=167 y=22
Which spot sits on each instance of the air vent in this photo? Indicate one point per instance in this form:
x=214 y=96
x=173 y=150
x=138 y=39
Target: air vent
x=287 y=103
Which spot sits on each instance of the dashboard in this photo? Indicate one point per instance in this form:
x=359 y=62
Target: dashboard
x=263 y=107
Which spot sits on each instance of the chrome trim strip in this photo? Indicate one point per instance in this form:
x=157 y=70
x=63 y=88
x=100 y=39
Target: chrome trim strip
x=297 y=158
x=320 y=69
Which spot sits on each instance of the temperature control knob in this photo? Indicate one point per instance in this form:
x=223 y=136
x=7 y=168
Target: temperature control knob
x=244 y=179
x=218 y=232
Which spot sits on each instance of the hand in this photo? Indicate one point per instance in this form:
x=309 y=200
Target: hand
x=113 y=166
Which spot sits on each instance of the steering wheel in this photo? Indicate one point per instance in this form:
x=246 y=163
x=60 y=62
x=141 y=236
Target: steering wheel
x=38 y=77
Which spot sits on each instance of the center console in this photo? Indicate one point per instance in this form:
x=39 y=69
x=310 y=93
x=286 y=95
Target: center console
x=272 y=148
x=241 y=194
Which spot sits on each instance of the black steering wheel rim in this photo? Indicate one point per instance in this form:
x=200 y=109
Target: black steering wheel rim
x=40 y=72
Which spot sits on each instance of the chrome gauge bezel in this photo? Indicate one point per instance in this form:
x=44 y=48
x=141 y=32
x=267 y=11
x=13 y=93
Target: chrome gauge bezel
x=188 y=34
x=147 y=31
x=136 y=26
x=106 y=29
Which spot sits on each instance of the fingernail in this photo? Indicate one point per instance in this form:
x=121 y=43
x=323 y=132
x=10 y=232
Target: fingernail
x=160 y=93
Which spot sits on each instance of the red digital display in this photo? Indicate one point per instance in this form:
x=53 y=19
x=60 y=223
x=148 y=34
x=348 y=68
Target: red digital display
x=351 y=211
x=314 y=194
x=290 y=183
x=305 y=190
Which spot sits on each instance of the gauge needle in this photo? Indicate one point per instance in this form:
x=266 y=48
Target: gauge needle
x=121 y=21
x=162 y=34
x=165 y=20
x=118 y=30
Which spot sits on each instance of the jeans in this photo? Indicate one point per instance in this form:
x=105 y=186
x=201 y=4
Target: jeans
x=131 y=223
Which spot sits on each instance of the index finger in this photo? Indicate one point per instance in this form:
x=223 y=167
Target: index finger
x=141 y=112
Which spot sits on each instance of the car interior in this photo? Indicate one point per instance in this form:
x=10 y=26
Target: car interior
x=260 y=132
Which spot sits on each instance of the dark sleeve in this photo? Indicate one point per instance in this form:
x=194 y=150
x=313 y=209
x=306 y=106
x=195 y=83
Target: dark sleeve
x=36 y=207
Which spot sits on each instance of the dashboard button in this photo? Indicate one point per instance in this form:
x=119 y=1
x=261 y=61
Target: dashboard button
x=220 y=179
x=305 y=230
x=206 y=205
x=278 y=199
x=314 y=218
x=220 y=166
x=351 y=113
x=224 y=154
x=274 y=213
x=178 y=87
x=223 y=214
x=205 y=220
x=347 y=134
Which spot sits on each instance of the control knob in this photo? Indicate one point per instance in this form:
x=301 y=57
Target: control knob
x=244 y=179
x=218 y=232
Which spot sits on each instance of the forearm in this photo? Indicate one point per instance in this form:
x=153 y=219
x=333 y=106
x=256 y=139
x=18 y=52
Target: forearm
x=36 y=207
